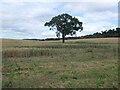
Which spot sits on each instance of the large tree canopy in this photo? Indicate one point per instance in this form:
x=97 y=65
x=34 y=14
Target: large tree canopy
x=65 y=24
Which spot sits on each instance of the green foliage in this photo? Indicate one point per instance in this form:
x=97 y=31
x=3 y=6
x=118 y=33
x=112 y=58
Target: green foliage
x=65 y=24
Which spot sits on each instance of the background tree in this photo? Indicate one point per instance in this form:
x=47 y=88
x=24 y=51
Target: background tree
x=65 y=25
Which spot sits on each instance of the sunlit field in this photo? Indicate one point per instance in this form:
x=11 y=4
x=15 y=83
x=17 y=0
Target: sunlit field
x=81 y=63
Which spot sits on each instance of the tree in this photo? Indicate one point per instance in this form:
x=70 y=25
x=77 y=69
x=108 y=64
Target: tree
x=65 y=25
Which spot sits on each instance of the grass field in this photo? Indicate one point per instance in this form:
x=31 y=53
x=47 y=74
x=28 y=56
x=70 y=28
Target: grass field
x=84 y=63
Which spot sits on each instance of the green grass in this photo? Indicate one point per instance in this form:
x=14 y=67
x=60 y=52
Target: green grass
x=57 y=65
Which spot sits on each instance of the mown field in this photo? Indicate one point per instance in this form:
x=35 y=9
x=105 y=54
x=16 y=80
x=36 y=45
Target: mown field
x=85 y=63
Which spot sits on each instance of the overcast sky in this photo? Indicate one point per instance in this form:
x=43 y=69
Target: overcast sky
x=25 y=18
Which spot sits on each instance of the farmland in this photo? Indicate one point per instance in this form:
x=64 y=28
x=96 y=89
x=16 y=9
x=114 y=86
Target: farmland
x=82 y=63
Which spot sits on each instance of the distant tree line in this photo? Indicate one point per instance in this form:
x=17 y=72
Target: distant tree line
x=49 y=39
x=103 y=34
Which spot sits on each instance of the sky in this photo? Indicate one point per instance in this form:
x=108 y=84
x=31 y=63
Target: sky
x=24 y=19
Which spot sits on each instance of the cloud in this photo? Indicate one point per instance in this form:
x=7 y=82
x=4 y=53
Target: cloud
x=98 y=16
x=91 y=28
x=26 y=19
x=94 y=23
x=13 y=11
x=107 y=15
x=87 y=7
x=59 y=1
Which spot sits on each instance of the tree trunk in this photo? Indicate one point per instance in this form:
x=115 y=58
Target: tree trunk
x=63 y=36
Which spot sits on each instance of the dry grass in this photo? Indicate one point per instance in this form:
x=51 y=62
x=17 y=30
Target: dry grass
x=27 y=42
x=13 y=42
x=7 y=43
x=108 y=40
x=77 y=63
